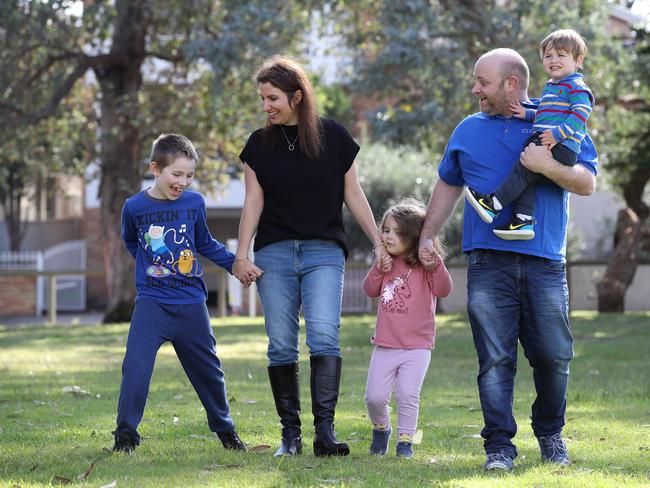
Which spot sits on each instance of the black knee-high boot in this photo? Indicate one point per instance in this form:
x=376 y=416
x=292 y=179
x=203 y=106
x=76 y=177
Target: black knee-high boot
x=325 y=383
x=286 y=393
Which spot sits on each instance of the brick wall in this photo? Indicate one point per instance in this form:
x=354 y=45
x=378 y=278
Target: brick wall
x=17 y=295
x=95 y=285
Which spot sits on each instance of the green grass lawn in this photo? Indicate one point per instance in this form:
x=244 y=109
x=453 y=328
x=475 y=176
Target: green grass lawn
x=50 y=436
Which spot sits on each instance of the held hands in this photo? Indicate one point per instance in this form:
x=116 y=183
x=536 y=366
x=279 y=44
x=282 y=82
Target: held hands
x=383 y=260
x=547 y=138
x=428 y=256
x=246 y=271
x=518 y=109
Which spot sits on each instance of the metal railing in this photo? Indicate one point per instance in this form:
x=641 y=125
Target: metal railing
x=52 y=288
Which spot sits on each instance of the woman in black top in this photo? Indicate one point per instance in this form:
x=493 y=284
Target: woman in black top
x=298 y=172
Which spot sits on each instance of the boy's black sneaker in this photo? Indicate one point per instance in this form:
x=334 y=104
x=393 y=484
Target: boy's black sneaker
x=124 y=443
x=483 y=203
x=516 y=230
x=499 y=461
x=231 y=440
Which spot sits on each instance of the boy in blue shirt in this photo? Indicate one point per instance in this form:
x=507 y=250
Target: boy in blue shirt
x=559 y=123
x=164 y=228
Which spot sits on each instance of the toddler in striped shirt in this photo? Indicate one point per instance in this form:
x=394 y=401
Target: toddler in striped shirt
x=559 y=122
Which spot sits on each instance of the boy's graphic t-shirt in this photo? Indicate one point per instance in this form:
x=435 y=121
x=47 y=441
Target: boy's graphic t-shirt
x=165 y=237
x=407 y=304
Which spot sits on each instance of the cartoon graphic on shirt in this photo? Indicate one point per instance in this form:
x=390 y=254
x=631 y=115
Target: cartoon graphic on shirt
x=155 y=239
x=186 y=263
x=394 y=293
x=158 y=271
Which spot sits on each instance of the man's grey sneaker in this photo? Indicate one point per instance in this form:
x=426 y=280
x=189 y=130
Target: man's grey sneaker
x=499 y=460
x=404 y=450
x=379 y=444
x=516 y=230
x=553 y=449
x=124 y=443
x=482 y=203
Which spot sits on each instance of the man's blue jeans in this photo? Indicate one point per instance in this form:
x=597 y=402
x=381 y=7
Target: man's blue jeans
x=515 y=297
x=307 y=273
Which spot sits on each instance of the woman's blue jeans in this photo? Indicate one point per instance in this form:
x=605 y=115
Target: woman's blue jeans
x=307 y=274
x=519 y=298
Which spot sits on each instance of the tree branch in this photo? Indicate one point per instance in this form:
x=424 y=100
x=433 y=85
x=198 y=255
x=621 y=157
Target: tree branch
x=62 y=91
x=165 y=57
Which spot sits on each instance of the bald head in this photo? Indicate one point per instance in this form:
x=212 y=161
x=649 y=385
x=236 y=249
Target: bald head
x=508 y=62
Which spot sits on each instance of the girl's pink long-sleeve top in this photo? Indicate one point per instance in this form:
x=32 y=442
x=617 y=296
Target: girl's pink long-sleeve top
x=406 y=314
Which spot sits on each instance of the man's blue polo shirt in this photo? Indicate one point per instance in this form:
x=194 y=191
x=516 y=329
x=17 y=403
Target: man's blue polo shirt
x=480 y=153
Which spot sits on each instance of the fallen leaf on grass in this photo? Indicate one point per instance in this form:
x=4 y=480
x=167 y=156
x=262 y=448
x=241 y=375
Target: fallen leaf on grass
x=260 y=448
x=61 y=479
x=417 y=437
x=472 y=436
x=76 y=390
x=84 y=476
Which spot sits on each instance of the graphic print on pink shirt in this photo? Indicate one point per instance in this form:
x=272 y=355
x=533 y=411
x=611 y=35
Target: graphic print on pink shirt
x=394 y=293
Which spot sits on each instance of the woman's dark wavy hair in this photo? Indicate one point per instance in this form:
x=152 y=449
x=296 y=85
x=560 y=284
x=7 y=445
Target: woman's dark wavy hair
x=409 y=214
x=287 y=75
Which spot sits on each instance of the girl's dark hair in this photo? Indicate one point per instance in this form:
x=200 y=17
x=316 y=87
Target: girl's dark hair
x=409 y=215
x=287 y=75
x=167 y=147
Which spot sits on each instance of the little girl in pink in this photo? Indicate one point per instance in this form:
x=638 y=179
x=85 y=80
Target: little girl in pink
x=406 y=327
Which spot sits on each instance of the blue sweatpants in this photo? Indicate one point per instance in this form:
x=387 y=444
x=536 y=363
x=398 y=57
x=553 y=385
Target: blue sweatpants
x=187 y=327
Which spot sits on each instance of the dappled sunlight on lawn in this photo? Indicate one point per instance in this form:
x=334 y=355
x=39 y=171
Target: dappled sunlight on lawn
x=59 y=389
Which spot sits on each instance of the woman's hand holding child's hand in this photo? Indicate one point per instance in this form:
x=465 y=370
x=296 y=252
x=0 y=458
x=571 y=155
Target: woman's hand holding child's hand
x=383 y=260
x=246 y=271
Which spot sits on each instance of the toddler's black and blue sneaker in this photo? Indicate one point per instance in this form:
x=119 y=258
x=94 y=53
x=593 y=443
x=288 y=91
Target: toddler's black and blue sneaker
x=483 y=204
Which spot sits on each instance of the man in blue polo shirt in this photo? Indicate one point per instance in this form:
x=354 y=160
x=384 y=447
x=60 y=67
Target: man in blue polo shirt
x=517 y=290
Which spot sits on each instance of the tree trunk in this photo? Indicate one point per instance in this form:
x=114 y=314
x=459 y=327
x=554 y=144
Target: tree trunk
x=12 y=206
x=623 y=263
x=120 y=80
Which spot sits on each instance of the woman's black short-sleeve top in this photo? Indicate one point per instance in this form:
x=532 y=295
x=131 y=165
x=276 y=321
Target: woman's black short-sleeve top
x=303 y=198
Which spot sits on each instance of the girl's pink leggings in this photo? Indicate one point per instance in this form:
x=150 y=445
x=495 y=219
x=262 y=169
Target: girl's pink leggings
x=403 y=371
